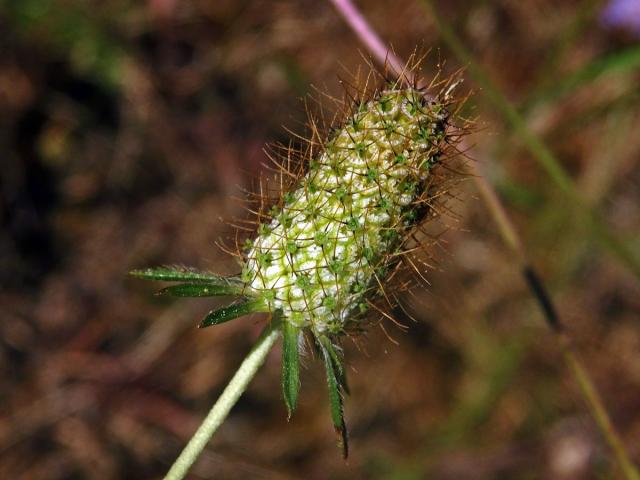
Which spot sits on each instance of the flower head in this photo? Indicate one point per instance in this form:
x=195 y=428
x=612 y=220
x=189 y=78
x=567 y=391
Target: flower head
x=322 y=253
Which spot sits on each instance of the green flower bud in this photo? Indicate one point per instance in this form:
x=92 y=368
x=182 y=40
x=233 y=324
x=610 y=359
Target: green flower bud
x=347 y=216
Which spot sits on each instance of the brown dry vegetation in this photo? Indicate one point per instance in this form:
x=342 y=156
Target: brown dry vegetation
x=128 y=128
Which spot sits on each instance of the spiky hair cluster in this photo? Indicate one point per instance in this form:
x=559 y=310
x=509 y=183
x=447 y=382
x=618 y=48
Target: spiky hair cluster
x=326 y=248
x=349 y=212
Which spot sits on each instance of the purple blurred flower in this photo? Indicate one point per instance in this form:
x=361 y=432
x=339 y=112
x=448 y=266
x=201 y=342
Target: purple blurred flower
x=623 y=14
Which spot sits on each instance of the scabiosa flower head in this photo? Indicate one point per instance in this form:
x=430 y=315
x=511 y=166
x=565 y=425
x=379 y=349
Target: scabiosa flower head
x=317 y=259
x=347 y=216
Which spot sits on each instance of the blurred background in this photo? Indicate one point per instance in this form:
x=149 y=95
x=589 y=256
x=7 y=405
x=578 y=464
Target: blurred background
x=128 y=130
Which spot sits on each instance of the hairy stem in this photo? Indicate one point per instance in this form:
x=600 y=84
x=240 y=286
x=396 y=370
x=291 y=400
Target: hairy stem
x=368 y=35
x=226 y=401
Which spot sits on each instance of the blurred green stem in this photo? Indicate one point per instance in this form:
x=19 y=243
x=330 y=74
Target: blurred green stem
x=549 y=162
x=585 y=10
x=538 y=149
x=599 y=412
x=226 y=401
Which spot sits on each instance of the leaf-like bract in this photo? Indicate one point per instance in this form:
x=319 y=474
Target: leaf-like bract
x=290 y=366
x=175 y=274
x=335 y=400
x=336 y=360
x=201 y=290
x=216 y=317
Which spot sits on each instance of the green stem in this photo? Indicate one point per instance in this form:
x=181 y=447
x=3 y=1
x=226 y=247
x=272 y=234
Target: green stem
x=599 y=413
x=544 y=156
x=226 y=401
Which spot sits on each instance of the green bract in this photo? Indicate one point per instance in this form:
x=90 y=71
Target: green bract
x=321 y=256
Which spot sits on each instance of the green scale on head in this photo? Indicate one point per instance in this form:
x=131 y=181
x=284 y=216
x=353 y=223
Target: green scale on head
x=316 y=260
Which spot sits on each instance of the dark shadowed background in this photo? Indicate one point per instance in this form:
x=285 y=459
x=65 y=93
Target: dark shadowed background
x=128 y=129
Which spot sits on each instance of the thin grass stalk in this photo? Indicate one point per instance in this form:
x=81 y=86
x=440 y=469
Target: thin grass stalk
x=599 y=412
x=543 y=155
x=509 y=234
